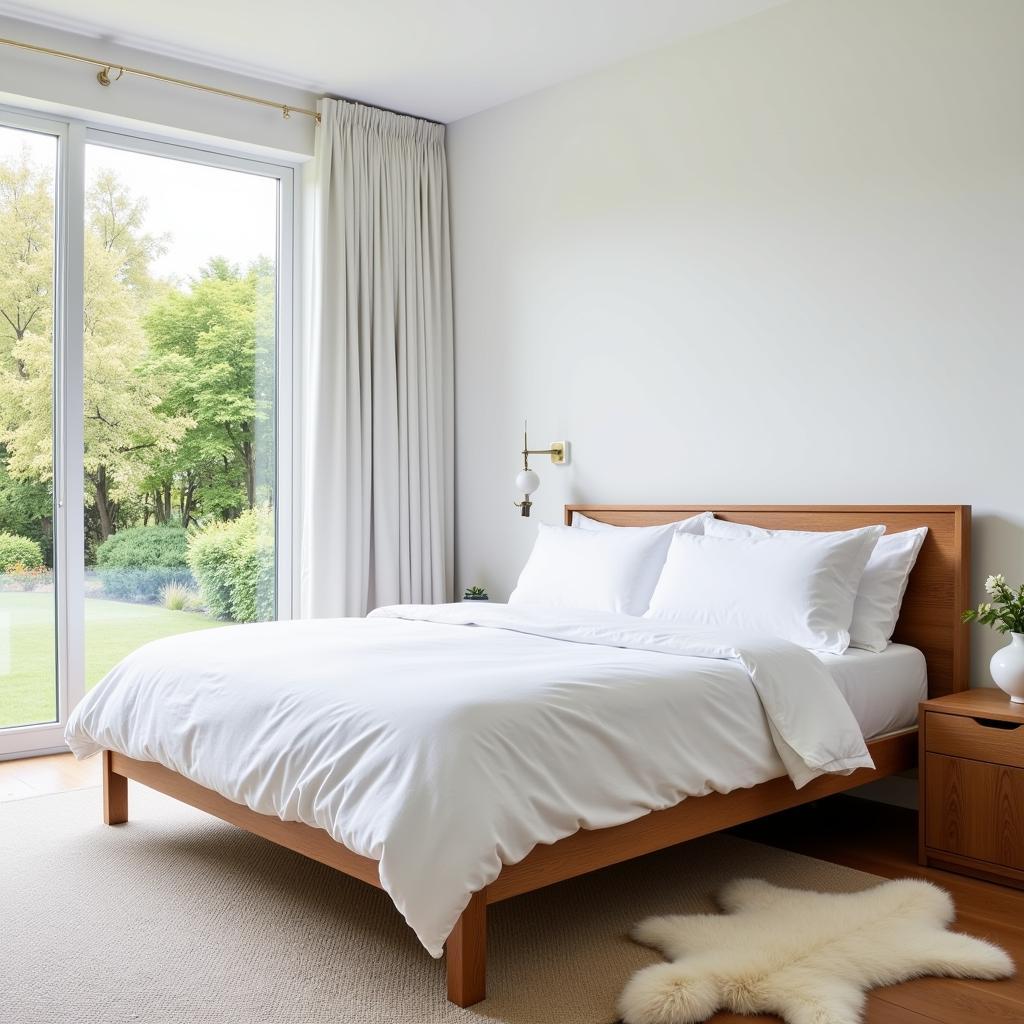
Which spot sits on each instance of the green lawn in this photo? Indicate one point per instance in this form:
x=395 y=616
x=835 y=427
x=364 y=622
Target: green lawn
x=112 y=630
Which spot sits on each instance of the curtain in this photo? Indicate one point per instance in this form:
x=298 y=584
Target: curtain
x=377 y=468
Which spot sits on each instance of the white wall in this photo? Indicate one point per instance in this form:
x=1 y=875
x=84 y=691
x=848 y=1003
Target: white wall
x=43 y=83
x=781 y=262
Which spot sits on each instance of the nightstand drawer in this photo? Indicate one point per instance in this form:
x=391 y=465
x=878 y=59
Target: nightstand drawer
x=975 y=809
x=982 y=739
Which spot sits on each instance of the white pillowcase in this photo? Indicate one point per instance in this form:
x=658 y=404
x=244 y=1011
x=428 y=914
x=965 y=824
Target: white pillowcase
x=800 y=587
x=695 y=524
x=881 y=590
x=612 y=570
x=651 y=569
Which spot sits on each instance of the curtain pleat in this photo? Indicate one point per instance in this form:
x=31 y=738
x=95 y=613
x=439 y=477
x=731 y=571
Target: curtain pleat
x=377 y=476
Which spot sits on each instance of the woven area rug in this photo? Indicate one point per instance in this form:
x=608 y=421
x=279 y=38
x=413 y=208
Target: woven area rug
x=177 y=918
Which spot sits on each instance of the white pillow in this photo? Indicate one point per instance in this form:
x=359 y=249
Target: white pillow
x=695 y=524
x=604 y=570
x=882 y=588
x=801 y=588
x=885 y=579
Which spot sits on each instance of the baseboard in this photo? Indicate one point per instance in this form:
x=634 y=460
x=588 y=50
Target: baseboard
x=20 y=755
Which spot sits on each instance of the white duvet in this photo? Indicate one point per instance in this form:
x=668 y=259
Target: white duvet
x=447 y=740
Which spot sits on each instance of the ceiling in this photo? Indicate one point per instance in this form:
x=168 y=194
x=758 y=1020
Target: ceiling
x=442 y=59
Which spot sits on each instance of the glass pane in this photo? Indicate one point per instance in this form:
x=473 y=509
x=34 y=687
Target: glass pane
x=180 y=353
x=28 y=668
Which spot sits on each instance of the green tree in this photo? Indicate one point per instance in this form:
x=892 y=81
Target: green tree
x=26 y=256
x=26 y=508
x=209 y=346
x=123 y=426
x=26 y=315
x=116 y=220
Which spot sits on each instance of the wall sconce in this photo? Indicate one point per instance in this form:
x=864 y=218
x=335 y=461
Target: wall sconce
x=527 y=480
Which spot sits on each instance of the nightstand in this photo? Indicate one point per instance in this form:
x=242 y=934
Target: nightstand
x=971 y=772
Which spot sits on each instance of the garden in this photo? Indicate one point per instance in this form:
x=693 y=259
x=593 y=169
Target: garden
x=148 y=582
x=178 y=431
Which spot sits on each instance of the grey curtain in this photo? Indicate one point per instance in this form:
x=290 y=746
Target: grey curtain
x=377 y=489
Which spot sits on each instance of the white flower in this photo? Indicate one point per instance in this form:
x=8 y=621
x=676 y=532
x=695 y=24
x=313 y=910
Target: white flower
x=994 y=582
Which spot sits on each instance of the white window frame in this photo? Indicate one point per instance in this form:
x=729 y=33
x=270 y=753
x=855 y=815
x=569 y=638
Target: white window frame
x=69 y=517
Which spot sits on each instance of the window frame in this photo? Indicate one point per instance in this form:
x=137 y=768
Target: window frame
x=73 y=136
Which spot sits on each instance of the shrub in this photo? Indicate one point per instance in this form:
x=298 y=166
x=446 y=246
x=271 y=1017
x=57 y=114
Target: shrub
x=142 y=584
x=233 y=564
x=145 y=547
x=19 y=577
x=19 y=551
x=26 y=508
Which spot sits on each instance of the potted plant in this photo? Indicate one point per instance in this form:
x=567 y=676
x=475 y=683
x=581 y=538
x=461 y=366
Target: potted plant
x=1005 y=612
x=475 y=594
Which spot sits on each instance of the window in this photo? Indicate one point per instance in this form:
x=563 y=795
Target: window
x=144 y=405
x=28 y=608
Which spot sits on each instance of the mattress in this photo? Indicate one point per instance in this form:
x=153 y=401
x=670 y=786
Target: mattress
x=883 y=690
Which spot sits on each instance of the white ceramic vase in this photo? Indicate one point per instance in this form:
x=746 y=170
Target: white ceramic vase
x=1008 y=668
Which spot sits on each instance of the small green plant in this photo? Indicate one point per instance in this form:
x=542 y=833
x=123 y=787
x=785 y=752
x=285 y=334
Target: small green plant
x=1005 y=612
x=475 y=594
x=179 y=597
x=19 y=553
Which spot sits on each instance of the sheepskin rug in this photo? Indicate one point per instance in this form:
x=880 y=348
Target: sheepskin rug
x=808 y=957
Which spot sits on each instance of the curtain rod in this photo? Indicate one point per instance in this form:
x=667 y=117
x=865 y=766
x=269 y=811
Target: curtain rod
x=387 y=110
x=110 y=72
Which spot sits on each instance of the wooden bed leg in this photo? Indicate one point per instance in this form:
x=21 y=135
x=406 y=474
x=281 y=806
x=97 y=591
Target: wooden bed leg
x=115 y=794
x=466 y=953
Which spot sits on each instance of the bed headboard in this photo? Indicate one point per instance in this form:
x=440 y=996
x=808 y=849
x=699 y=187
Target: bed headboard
x=939 y=587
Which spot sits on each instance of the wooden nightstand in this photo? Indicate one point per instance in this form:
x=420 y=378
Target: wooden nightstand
x=971 y=772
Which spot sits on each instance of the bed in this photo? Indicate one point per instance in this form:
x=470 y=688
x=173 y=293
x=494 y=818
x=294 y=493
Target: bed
x=581 y=719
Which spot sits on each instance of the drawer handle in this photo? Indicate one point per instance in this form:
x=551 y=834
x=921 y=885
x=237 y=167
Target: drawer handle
x=994 y=723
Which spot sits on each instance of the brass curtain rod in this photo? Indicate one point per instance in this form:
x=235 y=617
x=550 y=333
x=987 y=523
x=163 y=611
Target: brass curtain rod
x=111 y=71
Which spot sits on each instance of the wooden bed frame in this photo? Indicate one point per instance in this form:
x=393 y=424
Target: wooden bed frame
x=930 y=620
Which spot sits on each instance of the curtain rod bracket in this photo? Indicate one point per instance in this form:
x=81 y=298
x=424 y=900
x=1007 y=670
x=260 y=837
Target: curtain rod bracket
x=103 y=76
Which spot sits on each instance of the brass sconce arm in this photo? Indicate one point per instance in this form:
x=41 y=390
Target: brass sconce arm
x=556 y=451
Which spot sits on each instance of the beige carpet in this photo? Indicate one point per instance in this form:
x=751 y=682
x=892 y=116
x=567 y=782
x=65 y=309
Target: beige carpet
x=176 y=918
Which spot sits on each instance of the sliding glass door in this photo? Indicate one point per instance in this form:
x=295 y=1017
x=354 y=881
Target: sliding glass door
x=179 y=351
x=29 y=167
x=141 y=454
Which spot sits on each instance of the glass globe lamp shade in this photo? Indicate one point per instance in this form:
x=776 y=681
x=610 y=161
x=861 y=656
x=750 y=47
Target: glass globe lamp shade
x=527 y=481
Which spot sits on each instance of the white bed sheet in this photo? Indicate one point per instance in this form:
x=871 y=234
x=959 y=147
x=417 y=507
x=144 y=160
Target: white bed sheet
x=884 y=689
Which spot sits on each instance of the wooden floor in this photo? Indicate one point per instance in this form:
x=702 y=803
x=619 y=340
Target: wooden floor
x=37 y=776
x=883 y=840
x=869 y=836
